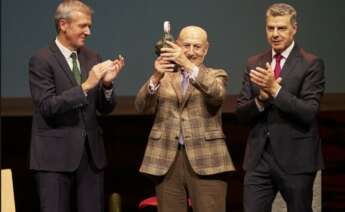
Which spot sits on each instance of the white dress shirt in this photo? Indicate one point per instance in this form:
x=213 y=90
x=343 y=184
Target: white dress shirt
x=67 y=54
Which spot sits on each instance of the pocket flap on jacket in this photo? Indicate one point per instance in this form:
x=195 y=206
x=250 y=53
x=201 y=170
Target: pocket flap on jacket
x=214 y=135
x=155 y=134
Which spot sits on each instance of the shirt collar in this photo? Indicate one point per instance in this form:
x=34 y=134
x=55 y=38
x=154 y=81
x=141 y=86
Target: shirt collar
x=65 y=51
x=286 y=52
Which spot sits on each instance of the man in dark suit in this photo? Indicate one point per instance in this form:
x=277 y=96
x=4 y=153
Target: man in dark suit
x=69 y=83
x=280 y=99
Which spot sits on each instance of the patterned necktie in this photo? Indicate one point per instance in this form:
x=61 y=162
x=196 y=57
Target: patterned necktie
x=184 y=82
x=184 y=86
x=75 y=68
x=277 y=68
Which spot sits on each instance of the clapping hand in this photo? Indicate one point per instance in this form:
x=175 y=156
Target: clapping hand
x=113 y=71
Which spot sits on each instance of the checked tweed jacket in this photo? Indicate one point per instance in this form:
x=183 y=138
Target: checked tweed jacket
x=197 y=114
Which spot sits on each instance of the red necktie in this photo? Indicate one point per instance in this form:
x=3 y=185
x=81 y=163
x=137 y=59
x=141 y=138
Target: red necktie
x=277 y=68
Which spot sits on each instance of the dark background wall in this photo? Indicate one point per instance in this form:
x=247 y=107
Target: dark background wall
x=131 y=27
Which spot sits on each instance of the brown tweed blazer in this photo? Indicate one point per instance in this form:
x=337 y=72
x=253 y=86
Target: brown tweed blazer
x=197 y=114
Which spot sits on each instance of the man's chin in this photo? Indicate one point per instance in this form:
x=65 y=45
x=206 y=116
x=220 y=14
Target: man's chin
x=277 y=48
x=80 y=44
x=196 y=62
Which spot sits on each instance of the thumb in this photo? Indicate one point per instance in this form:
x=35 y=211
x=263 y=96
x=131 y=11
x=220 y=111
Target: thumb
x=279 y=80
x=268 y=65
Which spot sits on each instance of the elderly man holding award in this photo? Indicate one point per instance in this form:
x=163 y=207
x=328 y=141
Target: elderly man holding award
x=186 y=154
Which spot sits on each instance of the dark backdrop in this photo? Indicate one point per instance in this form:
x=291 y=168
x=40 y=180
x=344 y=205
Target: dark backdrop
x=131 y=27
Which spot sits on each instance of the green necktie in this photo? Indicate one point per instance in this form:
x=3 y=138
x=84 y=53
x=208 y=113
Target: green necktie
x=75 y=69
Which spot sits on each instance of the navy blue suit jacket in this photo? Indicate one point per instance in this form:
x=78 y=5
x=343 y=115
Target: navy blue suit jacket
x=290 y=119
x=63 y=117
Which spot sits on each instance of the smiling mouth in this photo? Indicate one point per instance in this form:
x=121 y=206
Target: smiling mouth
x=276 y=44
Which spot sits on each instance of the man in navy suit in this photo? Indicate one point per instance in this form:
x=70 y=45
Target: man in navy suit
x=69 y=83
x=280 y=99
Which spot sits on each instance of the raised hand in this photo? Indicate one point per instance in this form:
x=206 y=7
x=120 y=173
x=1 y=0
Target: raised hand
x=263 y=96
x=161 y=66
x=176 y=54
x=96 y=74
x=114 y=70
x=265 y=80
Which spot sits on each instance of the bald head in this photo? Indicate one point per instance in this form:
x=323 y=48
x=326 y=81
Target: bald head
x=193 y=41
x=193 y=32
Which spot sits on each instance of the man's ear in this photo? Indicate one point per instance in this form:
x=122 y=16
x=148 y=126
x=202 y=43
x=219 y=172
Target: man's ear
x=63 y=25
x=207 y=45
x=295 y=27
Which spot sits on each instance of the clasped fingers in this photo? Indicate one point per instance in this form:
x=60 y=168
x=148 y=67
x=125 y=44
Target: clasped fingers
x=163 y=65
x=119 y=63
x=260 y=78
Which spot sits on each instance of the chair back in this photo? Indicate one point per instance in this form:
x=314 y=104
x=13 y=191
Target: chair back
x=7 y=194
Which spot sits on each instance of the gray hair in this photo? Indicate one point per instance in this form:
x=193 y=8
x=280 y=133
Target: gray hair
x=282 y=9
x=66 y=8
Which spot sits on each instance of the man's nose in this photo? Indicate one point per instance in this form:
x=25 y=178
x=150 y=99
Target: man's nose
x=275 y=32
x=87 y=31
x=190 y=50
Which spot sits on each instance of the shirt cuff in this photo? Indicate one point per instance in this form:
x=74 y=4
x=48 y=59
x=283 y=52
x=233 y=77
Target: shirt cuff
x=259 y=106
x=276 y=94
x=153 y=88
x=194 y=73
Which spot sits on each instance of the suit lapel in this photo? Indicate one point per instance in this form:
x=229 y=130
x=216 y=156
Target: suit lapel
x=62 y=62
x=176 y=84
x=83 y=65
x=188 y=92
x=290 y=62
x=266 y=58
x=187 y=95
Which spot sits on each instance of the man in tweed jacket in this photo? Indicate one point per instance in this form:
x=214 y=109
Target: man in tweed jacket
x=186 y=151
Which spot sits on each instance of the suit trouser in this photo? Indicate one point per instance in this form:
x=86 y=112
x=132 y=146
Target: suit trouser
x=85 y=185
x=207 y=193
x=262 y=184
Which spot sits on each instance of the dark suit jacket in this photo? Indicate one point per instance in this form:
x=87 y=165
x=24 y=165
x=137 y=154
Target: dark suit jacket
x=63 y=117
x=290 y=119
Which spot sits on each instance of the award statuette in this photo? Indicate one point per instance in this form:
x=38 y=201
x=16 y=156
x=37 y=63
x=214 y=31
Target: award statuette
x=167 y=36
